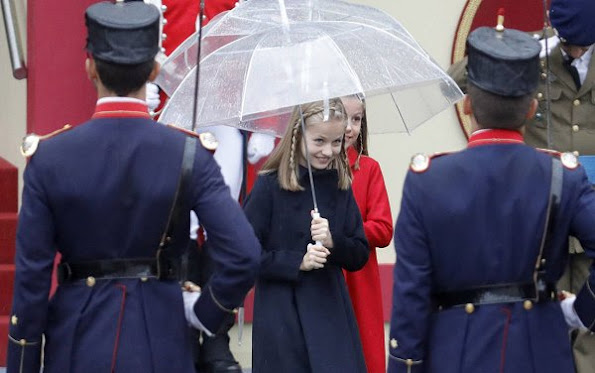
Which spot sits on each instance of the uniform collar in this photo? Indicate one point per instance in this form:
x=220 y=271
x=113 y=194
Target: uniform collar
x=121 y=107
x=495 y=136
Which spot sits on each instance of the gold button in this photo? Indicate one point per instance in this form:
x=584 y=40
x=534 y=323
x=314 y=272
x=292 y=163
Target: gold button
x=394 y=343
x=576 y=102
x=542 y=262
x=143 y=279
x=23 y=342
x=576 y=153
x=204 y=16
x=527 y=305
x=409 y=362
x=14 y=320
x=575 y=128
x=540 y=95
x=469 y=308
x=543 y=76
x=90 y=281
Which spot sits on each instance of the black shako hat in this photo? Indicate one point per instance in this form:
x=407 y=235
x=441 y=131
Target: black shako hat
x=504 y=62
x=123 y=33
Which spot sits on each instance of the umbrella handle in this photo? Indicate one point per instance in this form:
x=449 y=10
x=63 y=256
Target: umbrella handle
x=315 y=215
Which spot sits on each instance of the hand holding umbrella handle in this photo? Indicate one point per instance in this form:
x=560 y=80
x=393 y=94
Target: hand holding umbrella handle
x=316 y=215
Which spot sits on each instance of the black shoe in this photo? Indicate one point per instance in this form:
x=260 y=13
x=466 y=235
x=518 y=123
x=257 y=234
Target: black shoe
x=223 y=366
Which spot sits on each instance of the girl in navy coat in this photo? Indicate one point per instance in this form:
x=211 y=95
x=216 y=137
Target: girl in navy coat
x=303 y=318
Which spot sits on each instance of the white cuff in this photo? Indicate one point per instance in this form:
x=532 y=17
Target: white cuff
x=570 y=316
x=190 y=299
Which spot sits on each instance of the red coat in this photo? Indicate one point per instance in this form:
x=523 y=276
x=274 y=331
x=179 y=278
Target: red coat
x=180 y=16
x=364 y=285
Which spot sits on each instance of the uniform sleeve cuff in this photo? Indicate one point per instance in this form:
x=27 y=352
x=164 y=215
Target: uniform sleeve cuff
x=584 y=306
x=209 y=311
x=23 y=355
x=400 y=365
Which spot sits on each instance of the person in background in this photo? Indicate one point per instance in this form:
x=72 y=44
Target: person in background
x=179 y=20
x=372 y=199
x=102 y=194
x=482 y=234
x=303 y=318
x=572 y=108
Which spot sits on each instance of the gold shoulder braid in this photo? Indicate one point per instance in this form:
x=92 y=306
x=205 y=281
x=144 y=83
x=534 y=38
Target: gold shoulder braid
x=31 y=141
x=207 y=139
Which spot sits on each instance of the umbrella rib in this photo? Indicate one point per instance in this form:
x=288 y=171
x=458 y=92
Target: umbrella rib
x=246 y=74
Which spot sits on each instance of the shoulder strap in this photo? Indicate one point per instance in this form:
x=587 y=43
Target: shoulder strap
x=177 y=212
x=554 y=199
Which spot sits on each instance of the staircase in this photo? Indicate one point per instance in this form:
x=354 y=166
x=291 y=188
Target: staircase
x=8 y=226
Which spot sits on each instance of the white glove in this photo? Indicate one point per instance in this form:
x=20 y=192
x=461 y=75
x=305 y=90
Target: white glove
x=190 y=298
x=552 y=42
x=152 y=96
x=570 y=316
x=260 y=145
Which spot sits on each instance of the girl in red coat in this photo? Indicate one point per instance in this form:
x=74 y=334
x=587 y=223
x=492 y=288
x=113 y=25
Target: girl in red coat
x=372 y=200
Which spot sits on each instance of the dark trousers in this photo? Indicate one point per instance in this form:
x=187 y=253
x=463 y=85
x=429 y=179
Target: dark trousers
x=207 y=350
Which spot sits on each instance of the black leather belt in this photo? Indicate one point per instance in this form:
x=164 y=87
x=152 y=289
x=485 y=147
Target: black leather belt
x=119 y=269
x=497 y=294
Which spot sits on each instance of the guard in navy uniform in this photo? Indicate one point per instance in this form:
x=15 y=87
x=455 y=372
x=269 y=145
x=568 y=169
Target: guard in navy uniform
x=481 y=238
x=113 y=196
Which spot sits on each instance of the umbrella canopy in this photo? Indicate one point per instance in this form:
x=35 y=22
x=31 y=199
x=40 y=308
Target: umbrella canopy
x=270 y=72
x=256 y=16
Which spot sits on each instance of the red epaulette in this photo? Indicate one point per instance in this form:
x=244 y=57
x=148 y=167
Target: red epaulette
x=31 y=141
x=421 y=162
x=207 y=139
x=568 y=159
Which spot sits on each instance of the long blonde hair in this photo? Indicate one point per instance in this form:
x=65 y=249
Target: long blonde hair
x=361 y=143
x=283 y=160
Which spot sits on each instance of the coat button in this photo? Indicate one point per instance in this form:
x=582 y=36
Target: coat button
x=539 y=95
x=164 y=8
x=543 y=76
x=527 y=305
x=143 y=279
x=394 y=343
x=469 y=308
x=575 y=128
x=90 y=281
x=23 y=342
x=576 y=102
x=163 y=37
x=14 y=320
x=409 y=362
x=164 y=21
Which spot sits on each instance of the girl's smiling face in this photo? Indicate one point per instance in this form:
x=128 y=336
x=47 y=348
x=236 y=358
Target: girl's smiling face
x=324 y=141
x=355 y=113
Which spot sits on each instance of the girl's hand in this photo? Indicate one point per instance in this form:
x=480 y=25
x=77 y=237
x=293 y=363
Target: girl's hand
x=314 y=258
x=320 y=231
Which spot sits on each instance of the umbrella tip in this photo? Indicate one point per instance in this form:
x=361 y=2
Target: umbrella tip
x=500 y=22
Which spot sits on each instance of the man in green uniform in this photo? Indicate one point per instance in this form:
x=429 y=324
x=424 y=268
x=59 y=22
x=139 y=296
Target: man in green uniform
x=572 y=107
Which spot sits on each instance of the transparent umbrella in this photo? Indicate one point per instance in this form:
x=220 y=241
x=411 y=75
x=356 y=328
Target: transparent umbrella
x=270 y=72
x=256 y=16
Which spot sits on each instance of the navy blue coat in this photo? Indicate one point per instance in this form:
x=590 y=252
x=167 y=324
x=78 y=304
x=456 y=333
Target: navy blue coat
x=476 y=218
x=103 y=190
x=304 y=321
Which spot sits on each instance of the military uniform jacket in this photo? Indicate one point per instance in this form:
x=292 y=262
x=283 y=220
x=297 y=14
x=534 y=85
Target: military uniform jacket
x=476 y=218
x=572 y=110
x=304 y=321
x=103 y=190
